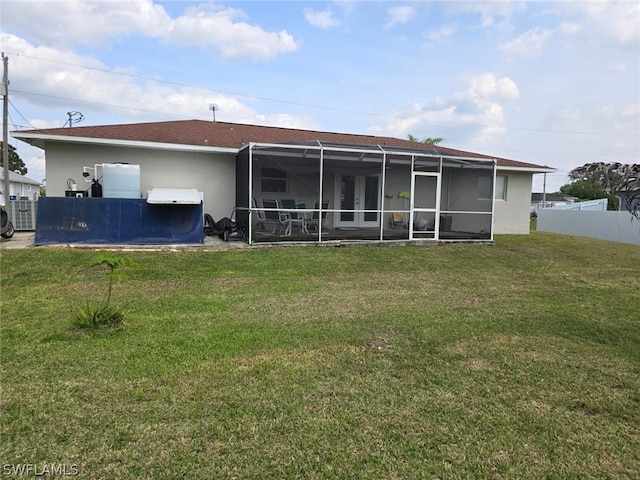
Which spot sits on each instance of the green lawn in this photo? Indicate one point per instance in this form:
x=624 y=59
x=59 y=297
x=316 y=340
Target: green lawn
x=517 y=360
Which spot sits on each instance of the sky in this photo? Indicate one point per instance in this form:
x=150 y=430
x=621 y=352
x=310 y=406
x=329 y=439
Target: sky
x=550 y=83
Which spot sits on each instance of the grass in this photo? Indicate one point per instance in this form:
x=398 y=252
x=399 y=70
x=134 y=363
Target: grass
x=518 y=360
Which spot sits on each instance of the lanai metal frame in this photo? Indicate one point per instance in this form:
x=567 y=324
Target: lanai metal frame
x=441 y=198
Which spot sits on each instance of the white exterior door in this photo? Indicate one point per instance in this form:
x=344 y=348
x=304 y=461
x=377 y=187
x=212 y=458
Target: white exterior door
x=357 y=192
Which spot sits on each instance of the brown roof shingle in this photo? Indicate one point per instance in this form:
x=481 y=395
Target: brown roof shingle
x=236 y=135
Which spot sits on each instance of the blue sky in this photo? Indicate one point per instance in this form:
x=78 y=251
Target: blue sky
x=552 y=83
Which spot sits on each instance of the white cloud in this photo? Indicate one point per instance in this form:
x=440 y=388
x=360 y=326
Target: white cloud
x=527 y=45
x=478 y=107
x=321 y=19
x=492 y=12
x=204 y=26
x=620 y=117
x=50 y=86
x=437 y=36
x=82 y=83
x=284 y=120
x=400 y=14
x=612 y=22
x=487 y=86
x=79 y=22
x=570 y=28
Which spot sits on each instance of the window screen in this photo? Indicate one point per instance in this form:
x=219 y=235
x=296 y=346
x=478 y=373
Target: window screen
x=274 y=180
x=484 y=187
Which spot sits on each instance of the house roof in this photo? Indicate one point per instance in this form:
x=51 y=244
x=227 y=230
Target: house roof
x=536 y=197
x=233 y=137
x=17 y=178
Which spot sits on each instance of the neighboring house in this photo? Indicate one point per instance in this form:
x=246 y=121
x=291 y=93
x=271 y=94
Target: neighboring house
x=20 y=187
x=550 y=200
x=371 y=187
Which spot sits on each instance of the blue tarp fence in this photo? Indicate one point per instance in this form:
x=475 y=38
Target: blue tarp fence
x=69 y=220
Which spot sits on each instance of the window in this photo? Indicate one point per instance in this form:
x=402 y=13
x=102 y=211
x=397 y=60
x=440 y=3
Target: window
x=273 y=180
x=484 y=188
x=501 y=187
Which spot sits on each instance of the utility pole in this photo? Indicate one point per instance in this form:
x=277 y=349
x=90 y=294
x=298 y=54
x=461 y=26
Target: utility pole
x=5 y=128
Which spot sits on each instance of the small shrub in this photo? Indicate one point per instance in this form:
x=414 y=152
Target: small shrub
x=112 y=262
x=94 y=314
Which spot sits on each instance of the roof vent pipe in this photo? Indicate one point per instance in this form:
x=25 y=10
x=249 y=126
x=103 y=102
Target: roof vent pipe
x=213 y=107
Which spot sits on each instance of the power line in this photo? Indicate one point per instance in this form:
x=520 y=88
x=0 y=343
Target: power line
x=286 y=102
x=87 y=102
x=590 y=154
x=19 y=113
x=38 y=153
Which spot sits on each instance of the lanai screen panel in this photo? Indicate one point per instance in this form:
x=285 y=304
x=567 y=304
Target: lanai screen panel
x=363 y=192
x=467 y=198
x=354 y=191
x=397 y=202
x=283 y=174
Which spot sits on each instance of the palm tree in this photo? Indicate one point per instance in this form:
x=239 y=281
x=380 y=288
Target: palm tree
x=428 y=140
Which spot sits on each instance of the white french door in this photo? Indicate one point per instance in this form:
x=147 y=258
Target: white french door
x=356 y=192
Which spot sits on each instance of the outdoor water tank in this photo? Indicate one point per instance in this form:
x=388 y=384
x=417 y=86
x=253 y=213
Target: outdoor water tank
x=120 y=180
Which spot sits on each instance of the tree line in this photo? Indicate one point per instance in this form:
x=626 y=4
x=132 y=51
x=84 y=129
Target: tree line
x=16 y=164
x=614 y=181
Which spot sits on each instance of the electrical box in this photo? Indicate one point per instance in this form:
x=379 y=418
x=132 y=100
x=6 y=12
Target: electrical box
x=76 y=193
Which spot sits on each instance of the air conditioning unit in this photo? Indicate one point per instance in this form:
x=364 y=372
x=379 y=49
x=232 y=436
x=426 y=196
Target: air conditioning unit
x=23 y=214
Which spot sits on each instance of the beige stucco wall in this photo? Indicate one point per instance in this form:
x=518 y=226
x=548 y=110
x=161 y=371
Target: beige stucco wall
x=512 y=215
x=214 y=175
x=211 y=173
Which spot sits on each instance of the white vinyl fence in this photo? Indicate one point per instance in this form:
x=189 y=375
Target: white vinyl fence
x=613 y=226
x=600 y=204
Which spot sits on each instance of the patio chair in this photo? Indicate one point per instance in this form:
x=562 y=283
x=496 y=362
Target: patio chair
x=262 y=221
x=289 y=207
x=272 y=214
x=397 y=220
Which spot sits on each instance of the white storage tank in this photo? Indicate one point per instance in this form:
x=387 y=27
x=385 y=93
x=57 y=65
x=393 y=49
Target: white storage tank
x=120 y=180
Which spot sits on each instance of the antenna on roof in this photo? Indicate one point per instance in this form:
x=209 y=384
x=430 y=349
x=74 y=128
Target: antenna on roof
x=213 y=107
x=74 y=117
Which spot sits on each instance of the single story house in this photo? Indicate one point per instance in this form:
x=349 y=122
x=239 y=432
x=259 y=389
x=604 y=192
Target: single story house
x=548 y=200
x=284 y=184
x=20 y=187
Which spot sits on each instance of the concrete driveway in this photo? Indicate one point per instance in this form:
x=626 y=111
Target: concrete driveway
x=19 y=240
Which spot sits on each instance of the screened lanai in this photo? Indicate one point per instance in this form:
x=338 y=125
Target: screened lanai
x=320 y=192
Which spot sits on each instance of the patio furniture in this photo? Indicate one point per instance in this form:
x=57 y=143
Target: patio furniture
x=397 y=220
x=263 y=222
x=289 y=208
x=273 y=212
x=272 y=215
